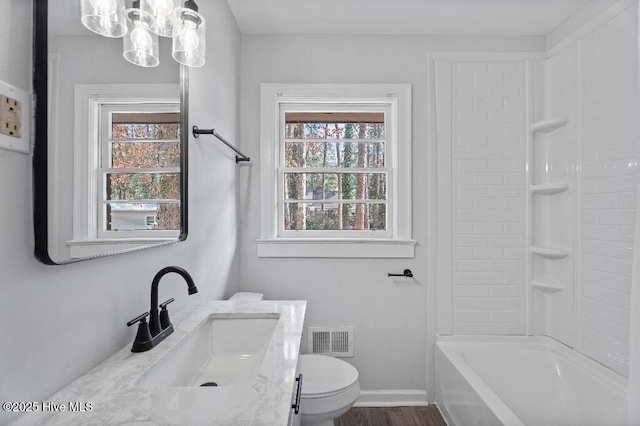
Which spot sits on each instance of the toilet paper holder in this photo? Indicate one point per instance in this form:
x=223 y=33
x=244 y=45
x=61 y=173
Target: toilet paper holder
x=405 y=273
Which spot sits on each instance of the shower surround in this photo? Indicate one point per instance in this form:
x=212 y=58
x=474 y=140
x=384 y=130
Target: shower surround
x=538 y=167
x=538 y=159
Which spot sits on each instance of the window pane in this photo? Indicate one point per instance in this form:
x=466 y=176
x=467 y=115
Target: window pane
x=335 y=154
x=143 y=186
x=338 y=186
x=335 y=216
x=145 y=154
x=334 y=125
x=145 y=125
x=145 y=131
x=143 y=216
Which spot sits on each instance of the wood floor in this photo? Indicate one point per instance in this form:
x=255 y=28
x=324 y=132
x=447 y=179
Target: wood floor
x=392 y=416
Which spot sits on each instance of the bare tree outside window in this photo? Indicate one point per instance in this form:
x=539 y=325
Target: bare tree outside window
x=142 y=190
x=335 y=175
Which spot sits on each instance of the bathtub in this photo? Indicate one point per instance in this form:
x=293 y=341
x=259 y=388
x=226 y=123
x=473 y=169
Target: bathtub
x=521 y=380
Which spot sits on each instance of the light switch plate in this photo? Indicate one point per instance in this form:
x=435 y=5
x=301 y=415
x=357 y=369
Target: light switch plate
x=23 y=142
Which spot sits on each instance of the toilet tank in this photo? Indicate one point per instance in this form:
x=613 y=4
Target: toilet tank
x=246 y=296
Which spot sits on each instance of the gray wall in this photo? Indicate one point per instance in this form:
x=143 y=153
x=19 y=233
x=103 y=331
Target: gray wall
x=394 y=320
x=57 y=322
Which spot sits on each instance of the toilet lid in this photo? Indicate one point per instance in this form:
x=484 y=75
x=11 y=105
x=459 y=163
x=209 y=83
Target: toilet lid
x=322 y=375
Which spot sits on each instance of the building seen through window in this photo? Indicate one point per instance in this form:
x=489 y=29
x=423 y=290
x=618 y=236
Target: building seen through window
x=335 y=175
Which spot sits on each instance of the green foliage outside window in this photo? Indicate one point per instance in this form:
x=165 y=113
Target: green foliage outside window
x=150 y=146
x=356 y=150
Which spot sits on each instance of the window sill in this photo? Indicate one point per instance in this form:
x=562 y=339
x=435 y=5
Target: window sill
x=344 y=248
x=98 y=247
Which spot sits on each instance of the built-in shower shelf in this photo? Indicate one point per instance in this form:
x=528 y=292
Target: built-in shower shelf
x=550 y=188
x=550 y=252
x=548 y=126
x=547 y=284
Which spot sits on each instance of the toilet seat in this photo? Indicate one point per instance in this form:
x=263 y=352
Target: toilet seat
x=329 y=388
x=325 y=376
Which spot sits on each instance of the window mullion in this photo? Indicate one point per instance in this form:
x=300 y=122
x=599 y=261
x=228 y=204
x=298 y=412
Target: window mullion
x=336 y=170
x=334 y=140
x=143 y=201
x=338 y=201
x=111 y=140
x=141 y=170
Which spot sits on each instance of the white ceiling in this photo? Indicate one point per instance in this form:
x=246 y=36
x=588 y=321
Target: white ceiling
x=446 y=17
x=463 y=17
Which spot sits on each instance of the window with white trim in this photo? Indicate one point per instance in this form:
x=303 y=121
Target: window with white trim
x=336 y=171
x=126 y=167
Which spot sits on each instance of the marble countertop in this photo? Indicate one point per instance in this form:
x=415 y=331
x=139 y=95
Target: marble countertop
x=107 y=395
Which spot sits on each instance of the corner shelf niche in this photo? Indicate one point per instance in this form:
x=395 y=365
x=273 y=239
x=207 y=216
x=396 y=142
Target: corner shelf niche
x=549 y=188
x=548 y=126
x=550 y=252
x=547 y=284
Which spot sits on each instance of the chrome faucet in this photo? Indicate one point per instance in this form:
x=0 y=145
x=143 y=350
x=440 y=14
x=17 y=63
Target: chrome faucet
x=159 y=326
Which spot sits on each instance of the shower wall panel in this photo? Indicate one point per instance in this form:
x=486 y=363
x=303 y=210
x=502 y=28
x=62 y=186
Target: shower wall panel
x=488 y=196
x=610 y=110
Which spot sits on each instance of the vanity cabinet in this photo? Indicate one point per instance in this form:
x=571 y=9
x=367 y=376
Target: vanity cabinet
x=153 y=387
x=296 y=399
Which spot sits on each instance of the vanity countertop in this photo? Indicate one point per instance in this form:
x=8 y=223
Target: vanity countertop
x=107 y=395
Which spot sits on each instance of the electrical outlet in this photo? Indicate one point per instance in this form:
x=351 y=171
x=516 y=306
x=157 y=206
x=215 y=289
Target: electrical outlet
x=15 y=109
x=10 y=116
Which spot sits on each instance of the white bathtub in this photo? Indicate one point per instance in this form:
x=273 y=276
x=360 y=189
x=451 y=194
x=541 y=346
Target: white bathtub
x=530 y=381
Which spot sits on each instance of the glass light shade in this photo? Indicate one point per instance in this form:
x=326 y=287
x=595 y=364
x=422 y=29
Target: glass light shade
x=189 y=45
x=140 y=46
x=162 y=16
x=104 y=17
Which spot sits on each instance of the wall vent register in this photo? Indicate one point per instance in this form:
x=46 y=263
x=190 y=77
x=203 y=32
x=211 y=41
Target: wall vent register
x=336 y=342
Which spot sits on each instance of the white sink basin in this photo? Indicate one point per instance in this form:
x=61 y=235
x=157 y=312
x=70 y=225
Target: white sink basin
x=225 y=350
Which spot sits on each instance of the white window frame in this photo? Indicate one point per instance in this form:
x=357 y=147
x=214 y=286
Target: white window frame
x=388 y=109
x=106 y=110
x=396 y=241
x=88 y=178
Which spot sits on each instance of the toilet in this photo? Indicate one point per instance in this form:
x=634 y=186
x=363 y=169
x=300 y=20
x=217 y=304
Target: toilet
x=246 y=296
x=330 y=386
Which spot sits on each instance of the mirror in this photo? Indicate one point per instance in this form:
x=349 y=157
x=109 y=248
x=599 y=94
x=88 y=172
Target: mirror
x=110 y=150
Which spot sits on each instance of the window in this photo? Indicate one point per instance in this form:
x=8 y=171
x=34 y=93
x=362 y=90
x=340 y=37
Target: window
x=127 y=167
x=336 y=170
x=140 y=171
x=334 y=173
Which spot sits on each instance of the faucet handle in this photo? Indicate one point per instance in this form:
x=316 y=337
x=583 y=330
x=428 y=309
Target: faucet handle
x=164 y=314
x=140 y=319
x=143 y=337
x=164 y=304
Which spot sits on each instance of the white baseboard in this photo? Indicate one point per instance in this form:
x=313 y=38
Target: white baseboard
x=391 y=398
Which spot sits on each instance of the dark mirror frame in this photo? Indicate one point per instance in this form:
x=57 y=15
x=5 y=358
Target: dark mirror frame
x=40 y=146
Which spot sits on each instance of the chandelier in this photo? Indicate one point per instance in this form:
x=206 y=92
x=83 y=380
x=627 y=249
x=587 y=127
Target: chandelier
x=140 y=25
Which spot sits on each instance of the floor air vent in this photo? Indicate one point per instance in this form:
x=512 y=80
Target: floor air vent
x=336 y=342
